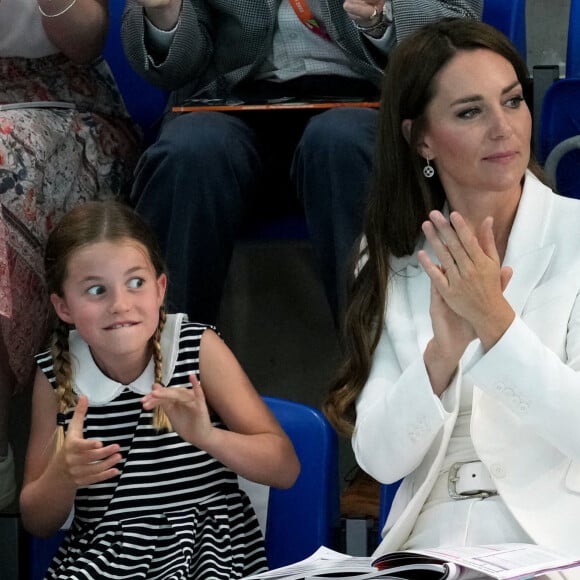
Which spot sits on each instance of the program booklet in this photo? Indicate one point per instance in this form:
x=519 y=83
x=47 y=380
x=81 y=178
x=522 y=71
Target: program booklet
x=494 y=561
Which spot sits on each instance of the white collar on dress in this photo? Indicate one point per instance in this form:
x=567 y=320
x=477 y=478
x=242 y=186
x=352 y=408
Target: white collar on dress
x=89 y=380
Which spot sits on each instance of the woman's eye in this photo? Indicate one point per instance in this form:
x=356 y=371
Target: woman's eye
x=135 y=283
x=515 y=102
x=468 y=114
x=96 y=290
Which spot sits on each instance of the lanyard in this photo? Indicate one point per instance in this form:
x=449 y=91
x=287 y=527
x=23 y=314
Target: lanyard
x=307 y=18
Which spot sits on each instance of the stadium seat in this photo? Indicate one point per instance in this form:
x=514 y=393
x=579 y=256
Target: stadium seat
x=559 y=142
x=304 y=517
x=388 y=492
x=509 y=16
x=299 y=519
x=573 y=47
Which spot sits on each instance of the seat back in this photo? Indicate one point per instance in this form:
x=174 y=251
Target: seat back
x=560 y=121
x=302 y=518
x=387 y=496
x=573 y=47
x=144 y=101
x=509 y=16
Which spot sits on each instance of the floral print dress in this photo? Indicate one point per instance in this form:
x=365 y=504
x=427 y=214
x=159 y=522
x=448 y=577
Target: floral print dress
x=51 y=158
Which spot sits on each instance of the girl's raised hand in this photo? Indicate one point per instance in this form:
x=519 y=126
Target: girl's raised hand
x=87 y=461
x=186 y=408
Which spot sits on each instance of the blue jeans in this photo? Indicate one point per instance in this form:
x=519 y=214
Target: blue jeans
x=193 y=184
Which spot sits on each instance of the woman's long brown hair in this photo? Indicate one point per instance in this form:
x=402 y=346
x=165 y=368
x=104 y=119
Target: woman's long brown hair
x=400 y=197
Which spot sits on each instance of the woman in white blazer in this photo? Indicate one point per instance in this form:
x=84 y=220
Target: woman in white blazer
x=463 y=329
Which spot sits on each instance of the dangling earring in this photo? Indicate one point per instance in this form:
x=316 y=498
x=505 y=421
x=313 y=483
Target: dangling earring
x=428 y=171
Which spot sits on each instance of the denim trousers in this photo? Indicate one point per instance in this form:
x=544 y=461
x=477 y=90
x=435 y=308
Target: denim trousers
x=194 y=186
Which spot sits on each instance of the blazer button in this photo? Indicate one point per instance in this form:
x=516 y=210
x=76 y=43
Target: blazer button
x=497 y=470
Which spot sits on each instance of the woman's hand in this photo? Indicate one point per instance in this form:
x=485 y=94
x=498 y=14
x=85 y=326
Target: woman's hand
x=186 y=408
x=86 y=461
x=470 y=279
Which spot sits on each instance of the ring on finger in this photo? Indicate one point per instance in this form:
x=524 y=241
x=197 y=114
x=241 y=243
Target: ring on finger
x=374 y=14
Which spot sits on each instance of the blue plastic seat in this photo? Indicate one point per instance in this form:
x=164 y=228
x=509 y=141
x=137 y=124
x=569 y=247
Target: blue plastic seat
x=302 y=518
x=299 y=519
x=387 y=496
x=144 y=101
x=573 y=47
x=559 y=135
x=509 y=16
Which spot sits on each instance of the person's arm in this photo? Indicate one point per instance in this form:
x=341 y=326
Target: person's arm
x=409 y=15
x=533 y=382
x=163 y=14
x=78 y=32
x=51 y=476
x=254 y=446
x=190 y=43
x=398 y=415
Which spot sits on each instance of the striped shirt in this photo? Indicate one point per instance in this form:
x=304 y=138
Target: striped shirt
x=174 y=512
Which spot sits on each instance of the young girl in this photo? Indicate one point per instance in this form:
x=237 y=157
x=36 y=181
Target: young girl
x=147 y=453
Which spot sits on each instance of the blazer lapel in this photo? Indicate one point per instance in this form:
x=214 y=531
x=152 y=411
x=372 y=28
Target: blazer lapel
x=526 y=253
x=419 y=297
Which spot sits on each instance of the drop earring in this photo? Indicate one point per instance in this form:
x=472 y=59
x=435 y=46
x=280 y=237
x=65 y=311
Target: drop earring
x=428 y=171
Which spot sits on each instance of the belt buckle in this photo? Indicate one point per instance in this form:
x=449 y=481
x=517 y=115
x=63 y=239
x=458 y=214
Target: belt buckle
x=452 y=479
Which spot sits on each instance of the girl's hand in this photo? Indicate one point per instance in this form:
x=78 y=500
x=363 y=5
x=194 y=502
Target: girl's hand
x=470 y=279
x=86 y=461
x=186 y=408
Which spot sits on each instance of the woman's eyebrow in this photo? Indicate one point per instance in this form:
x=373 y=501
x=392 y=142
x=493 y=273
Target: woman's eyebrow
x=473 y=98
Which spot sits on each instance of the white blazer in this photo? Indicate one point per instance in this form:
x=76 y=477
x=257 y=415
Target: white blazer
x=525 y=421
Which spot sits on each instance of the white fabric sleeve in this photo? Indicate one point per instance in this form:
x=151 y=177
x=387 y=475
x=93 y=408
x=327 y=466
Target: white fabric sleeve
x=398 y=416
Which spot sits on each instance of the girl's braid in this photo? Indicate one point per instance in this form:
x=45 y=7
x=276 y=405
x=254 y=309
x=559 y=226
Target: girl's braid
x=160 y=419
x=62 y=367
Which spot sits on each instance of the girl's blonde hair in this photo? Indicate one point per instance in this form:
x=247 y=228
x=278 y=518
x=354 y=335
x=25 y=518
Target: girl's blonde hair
x=82 y=226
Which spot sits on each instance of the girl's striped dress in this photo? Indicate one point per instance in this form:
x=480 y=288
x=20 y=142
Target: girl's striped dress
x=174 y=512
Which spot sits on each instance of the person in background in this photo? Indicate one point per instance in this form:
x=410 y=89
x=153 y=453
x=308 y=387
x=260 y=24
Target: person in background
x=195 y=182
x=462 y=370
x=141 y=420
x=65 y=138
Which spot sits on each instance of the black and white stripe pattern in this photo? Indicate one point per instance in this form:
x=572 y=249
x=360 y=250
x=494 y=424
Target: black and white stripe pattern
x=174 y=512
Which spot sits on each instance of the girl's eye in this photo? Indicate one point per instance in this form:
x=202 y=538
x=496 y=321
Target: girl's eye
x=135 y=283
x=96 y=290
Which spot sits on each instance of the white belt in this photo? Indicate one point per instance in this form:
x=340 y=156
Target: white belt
x=470 y=479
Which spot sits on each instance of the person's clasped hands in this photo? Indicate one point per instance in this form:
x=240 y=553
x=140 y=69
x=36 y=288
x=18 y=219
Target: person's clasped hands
x=469 y=279
x=364 y=13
